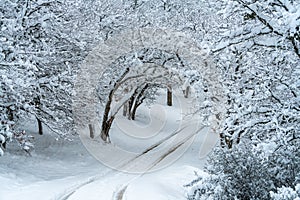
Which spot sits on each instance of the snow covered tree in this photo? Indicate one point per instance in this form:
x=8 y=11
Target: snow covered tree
x=38 y=64
x=44 y=42
x=258 y=52
x=147 y=69
x=233 y=173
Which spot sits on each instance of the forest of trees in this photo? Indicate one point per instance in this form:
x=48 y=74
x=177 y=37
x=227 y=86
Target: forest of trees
x=255 y=44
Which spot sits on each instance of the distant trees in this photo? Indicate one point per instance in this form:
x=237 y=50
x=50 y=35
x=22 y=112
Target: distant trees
x=141 y=76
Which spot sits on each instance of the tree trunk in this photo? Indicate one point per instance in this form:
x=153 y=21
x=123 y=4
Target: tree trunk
x=133 y=113
x=186 y=92
x=3 y=145
x=40 y=126
x=125 y=109
x=105 y=129
x=92 y=132
x=10 y=114
x=225 y=141
x=169 y=96
x=106 y=124
x=138 y=101
x=130 y=106
x=104 y=134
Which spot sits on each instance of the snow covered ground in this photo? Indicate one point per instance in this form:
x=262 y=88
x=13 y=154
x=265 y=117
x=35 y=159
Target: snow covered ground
x=163 y=143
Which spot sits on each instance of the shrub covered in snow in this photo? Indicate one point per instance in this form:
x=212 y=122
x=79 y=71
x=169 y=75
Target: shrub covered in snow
x=5 y=136
x=287 y=193
x=20 y=137
x=249 y=171
x=24 y=141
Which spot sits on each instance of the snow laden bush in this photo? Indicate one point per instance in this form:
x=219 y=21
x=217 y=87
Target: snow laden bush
x=24 y=141
x=5 y=136
x=287 y=193
x=249 y=171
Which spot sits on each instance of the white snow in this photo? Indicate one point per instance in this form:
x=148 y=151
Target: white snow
x=66 y=170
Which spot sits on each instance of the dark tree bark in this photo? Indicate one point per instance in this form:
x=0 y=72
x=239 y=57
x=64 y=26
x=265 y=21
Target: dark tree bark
x=104 y=131
x=125 y=109
x=133 y=113
x=225 y=141
x=40 y=126
x=10 y=114
x=3 y=145
x=169 y=96
x=139 y=100
x=131 y=104
x=187 y=91
x=106 y=128
x=92 y=131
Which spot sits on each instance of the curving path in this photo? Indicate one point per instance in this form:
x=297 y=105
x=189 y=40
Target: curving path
x=115 y=184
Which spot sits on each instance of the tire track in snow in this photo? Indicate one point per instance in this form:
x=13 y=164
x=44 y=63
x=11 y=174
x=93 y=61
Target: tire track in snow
x=118 y=195
x=154 y=146
x=174 y=148
x=70 y=191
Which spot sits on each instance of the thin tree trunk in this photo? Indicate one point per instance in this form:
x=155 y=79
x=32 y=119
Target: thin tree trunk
x=92 y=132
x=125 y=109
x=138 y=101
x=10 y=114
x=104 y=131
x=136 y=105
x=130 y=105
x=40 y=126
x=133 y=113
x=169 y=96
x=186 y=92
x=3 y=145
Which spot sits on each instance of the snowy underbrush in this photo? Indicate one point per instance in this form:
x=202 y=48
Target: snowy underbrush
x=287 y=193
x=21 y=138
x=249 y=171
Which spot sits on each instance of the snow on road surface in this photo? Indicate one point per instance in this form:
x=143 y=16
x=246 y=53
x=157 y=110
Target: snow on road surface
x=66 y=170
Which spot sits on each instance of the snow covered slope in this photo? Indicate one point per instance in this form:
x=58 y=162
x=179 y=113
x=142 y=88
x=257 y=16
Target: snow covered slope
x=167 y=147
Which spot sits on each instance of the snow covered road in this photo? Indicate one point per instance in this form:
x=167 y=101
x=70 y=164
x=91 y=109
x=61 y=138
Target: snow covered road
x=65 y=170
